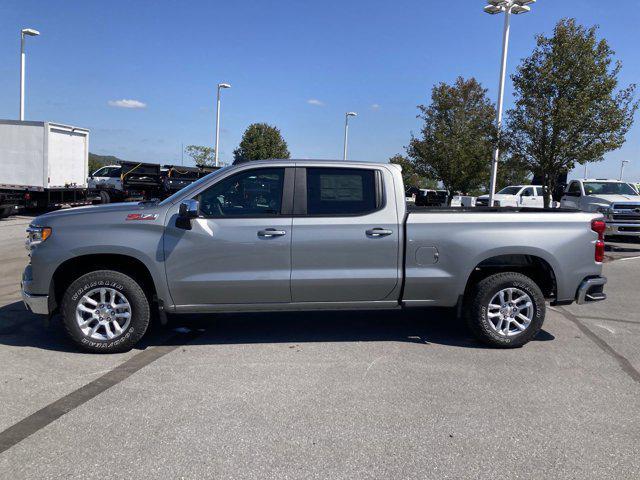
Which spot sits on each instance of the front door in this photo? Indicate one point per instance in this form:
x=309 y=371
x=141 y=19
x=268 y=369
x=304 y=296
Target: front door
x=239 y=249
x=345 y=235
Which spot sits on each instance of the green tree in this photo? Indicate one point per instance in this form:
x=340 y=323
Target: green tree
x=568 y=107
x=201 y=155
x=458 y=136
x=410 y=176
x=513 y=170
x=260 y=141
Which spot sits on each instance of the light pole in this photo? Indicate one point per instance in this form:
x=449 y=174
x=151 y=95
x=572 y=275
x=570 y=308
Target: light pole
x=623 y=163
x=507 y=7
x=346 y=132
x=215 y=152
x=31 y=33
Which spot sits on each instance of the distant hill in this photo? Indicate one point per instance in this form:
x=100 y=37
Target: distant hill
x=96 y=161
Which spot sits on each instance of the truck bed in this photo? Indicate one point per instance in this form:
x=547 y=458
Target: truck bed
x=412 y=208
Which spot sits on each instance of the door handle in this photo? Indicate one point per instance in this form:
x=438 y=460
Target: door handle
x=379 y=232
x=271 y=232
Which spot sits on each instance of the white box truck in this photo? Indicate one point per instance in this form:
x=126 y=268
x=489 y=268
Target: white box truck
x=43 y=164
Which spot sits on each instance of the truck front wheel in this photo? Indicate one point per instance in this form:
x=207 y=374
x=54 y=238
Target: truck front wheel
x=105 y=311
x=505 y=310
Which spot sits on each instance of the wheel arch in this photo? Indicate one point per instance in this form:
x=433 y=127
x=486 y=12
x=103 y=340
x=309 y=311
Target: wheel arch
x=67 y=272
x=531 y=265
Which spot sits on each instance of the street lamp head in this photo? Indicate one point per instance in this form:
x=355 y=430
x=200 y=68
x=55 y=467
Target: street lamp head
x=224 y=85
x=498 y=3
x=493 y=9
x=351 y=114
x=523 y=3
x=30 y=31
x=519 y=9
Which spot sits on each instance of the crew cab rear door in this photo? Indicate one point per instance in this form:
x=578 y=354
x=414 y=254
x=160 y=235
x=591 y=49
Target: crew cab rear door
x=345 y=244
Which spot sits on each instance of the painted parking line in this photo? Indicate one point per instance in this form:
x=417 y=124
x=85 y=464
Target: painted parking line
x=43 y=417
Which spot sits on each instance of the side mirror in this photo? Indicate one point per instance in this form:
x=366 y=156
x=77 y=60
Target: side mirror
x=189 y=209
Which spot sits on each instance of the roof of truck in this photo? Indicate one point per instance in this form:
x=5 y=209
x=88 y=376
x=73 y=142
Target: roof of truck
x=314 y=161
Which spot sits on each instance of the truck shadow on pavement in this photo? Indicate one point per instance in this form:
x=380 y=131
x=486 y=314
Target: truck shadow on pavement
x=20 y=328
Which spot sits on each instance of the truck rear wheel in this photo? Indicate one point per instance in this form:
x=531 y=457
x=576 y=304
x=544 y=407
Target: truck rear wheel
x=505 y=310
x=105 y=311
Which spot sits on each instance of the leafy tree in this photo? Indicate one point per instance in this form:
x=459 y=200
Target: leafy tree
x=513 y=170
x=410 y=176
x=201 y=155
x=458 y=136
x=260 y=141
x=568 y=108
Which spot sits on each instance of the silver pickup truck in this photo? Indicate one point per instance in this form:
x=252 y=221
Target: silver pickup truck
x=306 y=235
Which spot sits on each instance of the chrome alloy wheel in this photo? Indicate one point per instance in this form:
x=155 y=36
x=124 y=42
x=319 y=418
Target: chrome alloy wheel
x=510 y=312
x=103 y=313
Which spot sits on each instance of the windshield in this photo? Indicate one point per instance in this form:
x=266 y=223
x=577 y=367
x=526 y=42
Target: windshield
x=509 y=191
x=608 y=188
x=106 y=172
x=192 y=186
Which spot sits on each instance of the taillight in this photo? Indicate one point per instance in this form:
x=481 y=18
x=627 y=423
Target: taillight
x=599 y=256
x=599 y=226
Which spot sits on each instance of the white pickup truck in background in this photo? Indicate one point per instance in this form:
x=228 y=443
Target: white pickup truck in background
x=618 y=201
x=521 y=196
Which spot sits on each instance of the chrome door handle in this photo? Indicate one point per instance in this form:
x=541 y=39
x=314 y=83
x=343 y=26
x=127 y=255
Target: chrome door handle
x=271 y=232
x=379 y=232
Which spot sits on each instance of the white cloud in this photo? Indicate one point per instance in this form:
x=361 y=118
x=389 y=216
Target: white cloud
x=375 y=106
x=316 y=102
x=127 y=103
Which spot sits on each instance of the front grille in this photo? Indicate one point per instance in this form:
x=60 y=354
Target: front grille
x=626 y=206
x=627 y=217
x=629 y=229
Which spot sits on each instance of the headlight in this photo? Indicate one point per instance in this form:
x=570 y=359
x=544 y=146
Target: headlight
x=604 y=209
x=36 y=235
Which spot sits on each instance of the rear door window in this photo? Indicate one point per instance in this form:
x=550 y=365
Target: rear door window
x=340 y=191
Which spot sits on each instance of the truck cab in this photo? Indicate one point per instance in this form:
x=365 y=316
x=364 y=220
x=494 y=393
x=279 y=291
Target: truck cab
x=618 y=201
x=521 y=196
x=107 y=176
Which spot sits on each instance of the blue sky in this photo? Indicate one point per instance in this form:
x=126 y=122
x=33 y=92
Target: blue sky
x=298 y=65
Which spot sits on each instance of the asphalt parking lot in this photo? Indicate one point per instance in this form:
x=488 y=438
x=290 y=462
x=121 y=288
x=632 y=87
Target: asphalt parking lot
x=340 y=395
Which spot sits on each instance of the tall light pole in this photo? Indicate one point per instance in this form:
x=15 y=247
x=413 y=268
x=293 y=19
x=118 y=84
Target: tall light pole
x=507 y=7
x=346 y=132
x=623 y=163
x=215 y=152
x=31 y=33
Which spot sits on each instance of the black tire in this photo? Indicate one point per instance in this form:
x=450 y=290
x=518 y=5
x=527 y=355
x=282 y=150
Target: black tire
x=477 y=309
x=105 y=197
x=123 y=285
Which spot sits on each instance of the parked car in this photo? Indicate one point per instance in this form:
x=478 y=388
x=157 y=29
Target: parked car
x=306 y=235
x=618 y=201
x=522 y=196
x=432 y=198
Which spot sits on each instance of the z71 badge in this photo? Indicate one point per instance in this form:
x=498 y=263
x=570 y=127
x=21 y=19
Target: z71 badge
x=142 y=216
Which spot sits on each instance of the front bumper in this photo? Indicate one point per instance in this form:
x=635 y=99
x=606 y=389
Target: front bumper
x=623 y=228
x=591 y=290
x=38 y=304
